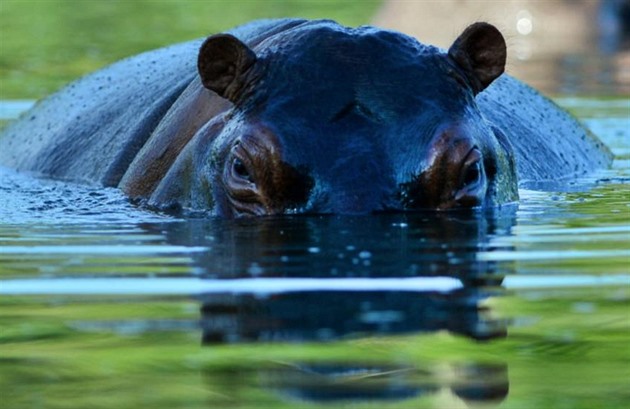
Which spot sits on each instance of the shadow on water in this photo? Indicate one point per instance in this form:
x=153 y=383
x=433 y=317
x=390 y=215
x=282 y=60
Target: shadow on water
x=397 y=246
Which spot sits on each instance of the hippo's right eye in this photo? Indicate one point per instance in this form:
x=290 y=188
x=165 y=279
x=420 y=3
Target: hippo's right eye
x=240 y=170
x=472 y=171
x=472 y=174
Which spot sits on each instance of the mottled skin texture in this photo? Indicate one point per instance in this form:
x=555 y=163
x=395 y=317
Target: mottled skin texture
x=292 y=116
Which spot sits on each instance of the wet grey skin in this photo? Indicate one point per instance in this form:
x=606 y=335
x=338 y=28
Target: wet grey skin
x=295 y=116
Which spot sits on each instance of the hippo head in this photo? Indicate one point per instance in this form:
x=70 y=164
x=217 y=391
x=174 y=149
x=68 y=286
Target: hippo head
x=327 y=119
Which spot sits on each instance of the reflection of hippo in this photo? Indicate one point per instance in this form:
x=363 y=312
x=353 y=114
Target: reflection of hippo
x=389 y=246
x=306 y=116
x=473 y=383
x=328 y=315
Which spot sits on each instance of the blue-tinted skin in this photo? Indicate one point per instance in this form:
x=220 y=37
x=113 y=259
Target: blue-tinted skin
x=361 y=120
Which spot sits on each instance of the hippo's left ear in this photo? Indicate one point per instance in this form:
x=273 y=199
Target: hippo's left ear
x=481 y=52
x=222 y=63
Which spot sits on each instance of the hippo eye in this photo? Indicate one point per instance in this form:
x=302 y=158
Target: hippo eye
x=240 y=170
x=472 y=170
x=473 y=173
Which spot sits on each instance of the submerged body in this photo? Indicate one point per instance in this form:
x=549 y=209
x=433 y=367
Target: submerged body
x=285 y=116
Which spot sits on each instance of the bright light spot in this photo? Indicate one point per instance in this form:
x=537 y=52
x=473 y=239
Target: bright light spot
x=524 y=24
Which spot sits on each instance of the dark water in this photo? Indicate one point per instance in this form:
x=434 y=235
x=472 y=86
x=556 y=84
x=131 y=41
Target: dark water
x=107 y=305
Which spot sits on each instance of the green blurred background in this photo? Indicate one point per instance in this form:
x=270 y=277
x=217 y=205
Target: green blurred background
x=46 y=43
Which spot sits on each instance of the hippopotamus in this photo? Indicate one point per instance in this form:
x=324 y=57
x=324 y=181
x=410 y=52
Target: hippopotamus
x=297 y=116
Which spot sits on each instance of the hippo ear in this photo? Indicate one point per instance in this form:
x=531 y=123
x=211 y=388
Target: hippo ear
x=481 y=52
x=222 y=63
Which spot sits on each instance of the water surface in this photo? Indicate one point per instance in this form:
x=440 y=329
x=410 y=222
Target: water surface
x=107 y=305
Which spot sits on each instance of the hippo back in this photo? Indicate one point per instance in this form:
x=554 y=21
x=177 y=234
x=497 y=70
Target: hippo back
x=89 y=129
x=549 y=143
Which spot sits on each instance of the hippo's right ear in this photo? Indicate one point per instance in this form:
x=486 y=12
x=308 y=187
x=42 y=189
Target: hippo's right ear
x=481 y=52
x=222 y=63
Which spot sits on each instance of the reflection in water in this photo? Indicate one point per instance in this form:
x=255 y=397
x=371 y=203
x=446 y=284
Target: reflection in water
x=325 y=316
x=397 y=245
x=445 y=246
x=331 y=315
x=472 y=383
x=99 y=319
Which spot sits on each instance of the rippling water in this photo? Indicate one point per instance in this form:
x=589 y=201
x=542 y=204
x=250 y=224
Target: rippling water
x=107 y=305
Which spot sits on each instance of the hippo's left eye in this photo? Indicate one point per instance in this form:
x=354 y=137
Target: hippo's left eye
x=240 y=170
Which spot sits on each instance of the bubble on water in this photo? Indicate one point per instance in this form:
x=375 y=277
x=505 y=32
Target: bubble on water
x=401 y=225
x=48 y=270
x=350 y=247
x=284 y=259
x=255 y=269
x=382 y=317
x=365 y=254
x=314 y=250
x=325 y=333
x=198 y=271
x=454 y=260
